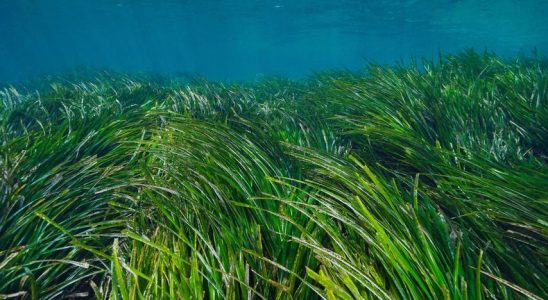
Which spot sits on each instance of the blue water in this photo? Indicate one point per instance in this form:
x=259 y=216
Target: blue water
x=243 y=39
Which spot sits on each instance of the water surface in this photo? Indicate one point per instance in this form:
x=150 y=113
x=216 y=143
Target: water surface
x=241 y=39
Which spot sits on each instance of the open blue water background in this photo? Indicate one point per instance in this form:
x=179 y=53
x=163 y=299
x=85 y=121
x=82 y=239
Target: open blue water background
x=242 y=39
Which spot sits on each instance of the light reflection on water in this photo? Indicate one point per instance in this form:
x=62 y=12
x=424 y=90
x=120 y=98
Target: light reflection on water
x=240 y=39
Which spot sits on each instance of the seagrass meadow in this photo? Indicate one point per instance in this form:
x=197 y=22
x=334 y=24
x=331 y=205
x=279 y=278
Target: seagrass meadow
x=421 y=181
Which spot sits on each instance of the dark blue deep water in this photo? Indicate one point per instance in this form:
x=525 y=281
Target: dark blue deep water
x=242 y=39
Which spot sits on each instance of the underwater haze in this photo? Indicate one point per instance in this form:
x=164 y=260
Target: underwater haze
x=243 y=39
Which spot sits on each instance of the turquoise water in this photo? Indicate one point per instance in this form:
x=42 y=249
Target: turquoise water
x=243 y=39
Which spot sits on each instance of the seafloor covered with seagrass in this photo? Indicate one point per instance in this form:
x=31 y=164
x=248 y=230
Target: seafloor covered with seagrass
x=402 y=182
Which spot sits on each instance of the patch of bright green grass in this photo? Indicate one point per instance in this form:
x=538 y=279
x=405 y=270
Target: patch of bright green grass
x=399 y=183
